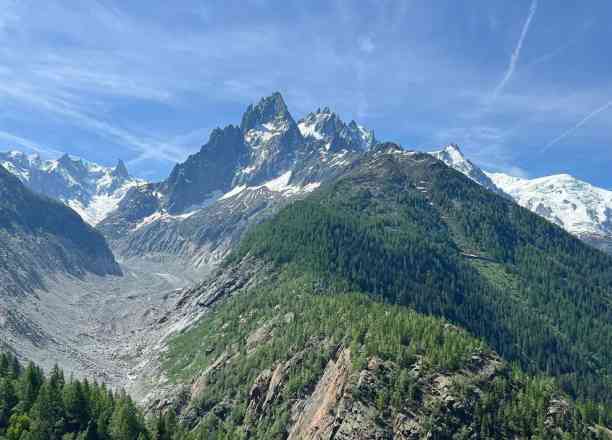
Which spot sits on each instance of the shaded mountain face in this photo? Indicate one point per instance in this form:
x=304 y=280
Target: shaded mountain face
x=207 y=173
x=90 y=189
x=241 y=175
x=308 y=330
x=42 y=237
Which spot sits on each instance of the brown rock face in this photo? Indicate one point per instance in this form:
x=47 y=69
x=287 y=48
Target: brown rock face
x=318 y=418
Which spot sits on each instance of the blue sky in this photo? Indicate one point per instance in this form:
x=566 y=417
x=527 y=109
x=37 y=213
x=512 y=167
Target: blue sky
x=524 y=87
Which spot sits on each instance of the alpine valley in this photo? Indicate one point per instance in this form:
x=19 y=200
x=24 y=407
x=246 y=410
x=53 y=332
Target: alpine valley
x=303 y=280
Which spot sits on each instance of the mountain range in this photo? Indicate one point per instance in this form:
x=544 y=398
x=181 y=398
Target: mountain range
x=302 y=280
x=92 y=190
x=243 y=173
x=268 y=157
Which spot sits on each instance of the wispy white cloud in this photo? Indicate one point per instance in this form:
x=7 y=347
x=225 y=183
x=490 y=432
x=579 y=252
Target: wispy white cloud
x=61 y=105
x=516 y=53
x=580 y=123
x=28 y=144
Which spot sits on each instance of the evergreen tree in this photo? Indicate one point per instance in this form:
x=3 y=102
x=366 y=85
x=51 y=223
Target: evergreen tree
x=125 y=423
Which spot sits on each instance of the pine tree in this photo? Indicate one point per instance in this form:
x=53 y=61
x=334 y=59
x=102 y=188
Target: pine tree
x=76 y=405
x=47 y=414
x=29 y=384
x=125 y=422
x=8 y=400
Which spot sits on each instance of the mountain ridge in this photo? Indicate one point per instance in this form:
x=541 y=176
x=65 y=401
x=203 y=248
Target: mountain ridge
x=274 y=333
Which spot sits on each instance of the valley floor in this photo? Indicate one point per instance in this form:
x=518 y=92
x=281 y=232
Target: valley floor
x=96 y=327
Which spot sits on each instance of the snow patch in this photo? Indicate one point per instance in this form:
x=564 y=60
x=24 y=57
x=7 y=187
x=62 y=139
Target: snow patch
x=279 y=184
x=162 y=216
x=309 y=130
x=236 y=190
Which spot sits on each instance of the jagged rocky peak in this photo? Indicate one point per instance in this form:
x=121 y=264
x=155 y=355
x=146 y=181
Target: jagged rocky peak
x=326 y=128
x=454 y=157
x=273 y=139
x=121 y=170
x=268 y=110
x=74 y=166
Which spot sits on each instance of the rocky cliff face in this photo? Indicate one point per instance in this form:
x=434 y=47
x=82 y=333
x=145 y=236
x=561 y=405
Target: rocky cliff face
x=207 y=173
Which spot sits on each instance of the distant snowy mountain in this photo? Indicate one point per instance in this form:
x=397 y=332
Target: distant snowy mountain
x=90 y=189
x=452 y=156
x=577 y=206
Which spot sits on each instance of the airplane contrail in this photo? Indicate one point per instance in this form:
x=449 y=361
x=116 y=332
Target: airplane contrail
x=517 y=50
x=583 y=121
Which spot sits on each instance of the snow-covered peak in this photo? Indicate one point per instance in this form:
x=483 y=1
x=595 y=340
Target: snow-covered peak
x=90 y=189
x=577 y=206
x=333 y=134
x=452 y=156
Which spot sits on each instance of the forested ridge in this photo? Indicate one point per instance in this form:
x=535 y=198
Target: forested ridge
x=412 y=231
x=305 y=325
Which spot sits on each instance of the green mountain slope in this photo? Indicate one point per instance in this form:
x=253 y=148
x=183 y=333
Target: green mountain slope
x=285 y=360
x=320 y=326
x=407 y=228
